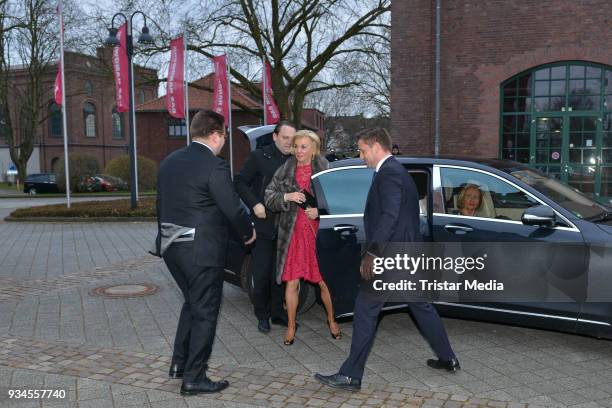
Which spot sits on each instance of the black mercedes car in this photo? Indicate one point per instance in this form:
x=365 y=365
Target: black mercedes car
x=519 y=205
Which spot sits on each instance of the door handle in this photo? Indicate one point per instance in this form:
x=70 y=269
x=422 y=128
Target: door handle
x=346 y=228
x=458 y=229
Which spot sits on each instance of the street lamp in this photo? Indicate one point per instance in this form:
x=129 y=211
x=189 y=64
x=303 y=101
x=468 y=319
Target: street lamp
x=113 y=41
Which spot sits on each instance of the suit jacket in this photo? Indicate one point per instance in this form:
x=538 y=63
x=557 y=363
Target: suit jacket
x=252 y=181
x=195 y=190
x=392 y=208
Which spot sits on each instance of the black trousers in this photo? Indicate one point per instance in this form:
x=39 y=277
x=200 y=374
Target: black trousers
x=202 y=289
x=365 y=321
x=267 y=295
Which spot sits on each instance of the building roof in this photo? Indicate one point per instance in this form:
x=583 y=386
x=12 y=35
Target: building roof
x=201 y=97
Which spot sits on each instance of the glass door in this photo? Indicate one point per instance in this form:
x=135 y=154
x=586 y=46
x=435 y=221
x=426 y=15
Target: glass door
x=547 y=143
x=568 y=147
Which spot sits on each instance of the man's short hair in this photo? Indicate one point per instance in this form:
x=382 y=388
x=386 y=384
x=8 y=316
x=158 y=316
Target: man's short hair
x=206 y=122
x=282 y=123
x=373 y=135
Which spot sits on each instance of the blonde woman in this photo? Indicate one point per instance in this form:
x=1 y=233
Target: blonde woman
x=297 y=229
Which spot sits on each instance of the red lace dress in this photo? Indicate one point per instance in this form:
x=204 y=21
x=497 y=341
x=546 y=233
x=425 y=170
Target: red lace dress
x=301 y=256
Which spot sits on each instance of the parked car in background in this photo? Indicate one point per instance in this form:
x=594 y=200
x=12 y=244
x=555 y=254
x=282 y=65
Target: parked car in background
x=101 y=182
x=40 y=183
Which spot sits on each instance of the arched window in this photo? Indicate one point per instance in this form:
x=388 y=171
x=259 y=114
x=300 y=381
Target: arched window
x=556 y=118
x=141 y=96
x=88 y=88
x=54 y=163
x=89 y=116
x=55 y=120
x=117 y=124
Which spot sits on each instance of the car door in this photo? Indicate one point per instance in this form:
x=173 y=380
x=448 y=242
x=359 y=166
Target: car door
x=497 y=222
x=341 y=194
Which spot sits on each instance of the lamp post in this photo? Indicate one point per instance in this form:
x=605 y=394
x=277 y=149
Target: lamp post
x=113 y=41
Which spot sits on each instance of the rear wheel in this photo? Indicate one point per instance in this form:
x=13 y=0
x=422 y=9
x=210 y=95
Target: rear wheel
x=32 y=191
x=307 y=296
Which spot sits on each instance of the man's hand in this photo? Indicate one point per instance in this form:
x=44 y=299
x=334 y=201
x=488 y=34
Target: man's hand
x=297 y=197
x=312 y=213
x=260 y=211
x=250 y=241
x=366 y=268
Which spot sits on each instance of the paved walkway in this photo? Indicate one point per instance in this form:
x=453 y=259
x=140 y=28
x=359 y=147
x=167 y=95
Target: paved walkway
x=56 y=334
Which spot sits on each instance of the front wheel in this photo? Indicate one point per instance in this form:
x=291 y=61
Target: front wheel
x=307 y=296
x=32 y=191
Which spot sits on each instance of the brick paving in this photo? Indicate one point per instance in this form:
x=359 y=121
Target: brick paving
x=115 y=352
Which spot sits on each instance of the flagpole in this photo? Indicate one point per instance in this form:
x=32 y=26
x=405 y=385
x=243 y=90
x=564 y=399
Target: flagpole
x=132 y=97
x=229 y=100
x=265 y=87
x=64 y=121
x=186 y=93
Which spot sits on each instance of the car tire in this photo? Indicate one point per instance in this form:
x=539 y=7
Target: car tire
x=32 y=191
x=307 y=296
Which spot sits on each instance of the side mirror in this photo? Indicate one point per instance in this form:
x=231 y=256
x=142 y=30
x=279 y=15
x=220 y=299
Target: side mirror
x=540 y=215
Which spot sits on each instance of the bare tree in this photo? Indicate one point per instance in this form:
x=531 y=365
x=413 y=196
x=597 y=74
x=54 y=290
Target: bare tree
x=303 y=40
x=33 y=43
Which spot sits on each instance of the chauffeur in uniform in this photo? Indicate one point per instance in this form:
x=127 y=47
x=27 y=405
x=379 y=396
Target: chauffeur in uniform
x=251 y=184
x=196 y=207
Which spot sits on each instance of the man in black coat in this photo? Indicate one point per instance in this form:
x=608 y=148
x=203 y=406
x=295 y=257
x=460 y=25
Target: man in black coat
x=391 y=215
x=251 y=184
x=196 y=207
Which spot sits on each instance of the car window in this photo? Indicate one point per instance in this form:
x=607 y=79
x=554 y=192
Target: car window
x=346 y=190
x=477 y=194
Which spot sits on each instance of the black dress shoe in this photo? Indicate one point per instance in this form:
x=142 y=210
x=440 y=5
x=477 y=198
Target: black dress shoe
x=176 y=371
x=263 y=326
x=339 y=381
x=205 y=386
x=451 y=365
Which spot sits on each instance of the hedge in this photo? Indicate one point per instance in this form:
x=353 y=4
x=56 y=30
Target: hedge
x=147 y=171
x=80 y=165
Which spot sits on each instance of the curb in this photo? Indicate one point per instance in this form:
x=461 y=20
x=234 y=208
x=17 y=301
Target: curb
x=81 y=219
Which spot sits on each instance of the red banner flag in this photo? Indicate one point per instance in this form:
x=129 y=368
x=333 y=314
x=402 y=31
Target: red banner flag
x=175 y=93
x=57 y=91
x=270 y=108
x=220 y=102
x=120 y=68
x=58 y=85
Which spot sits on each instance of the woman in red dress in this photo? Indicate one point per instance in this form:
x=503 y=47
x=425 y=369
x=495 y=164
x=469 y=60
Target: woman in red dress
x=297 y=227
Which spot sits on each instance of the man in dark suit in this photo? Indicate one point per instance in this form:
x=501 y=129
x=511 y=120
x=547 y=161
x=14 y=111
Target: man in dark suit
x=196 y=207
x=251 y=184
x=391 y=215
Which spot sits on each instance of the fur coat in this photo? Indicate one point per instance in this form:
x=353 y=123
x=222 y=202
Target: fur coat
x=283 y=182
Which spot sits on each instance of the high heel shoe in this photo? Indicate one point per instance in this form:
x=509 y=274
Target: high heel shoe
x=335 y=336
x=288 y=342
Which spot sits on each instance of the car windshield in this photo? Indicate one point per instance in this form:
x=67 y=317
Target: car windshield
x=567 y=197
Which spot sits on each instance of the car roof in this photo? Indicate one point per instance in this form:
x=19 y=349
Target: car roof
x=506 y=166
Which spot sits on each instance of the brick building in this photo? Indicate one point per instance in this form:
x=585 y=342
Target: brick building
x=94 y=127
x=529 y=81
x=159 y=134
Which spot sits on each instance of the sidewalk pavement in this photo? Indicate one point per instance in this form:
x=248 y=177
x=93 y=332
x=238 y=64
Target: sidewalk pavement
x=55 y=333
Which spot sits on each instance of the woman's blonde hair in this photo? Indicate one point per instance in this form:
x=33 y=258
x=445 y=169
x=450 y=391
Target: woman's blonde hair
x=300 y=134
x=461 y=198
